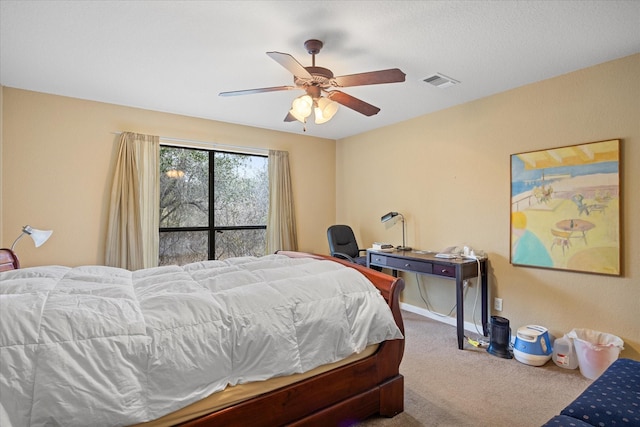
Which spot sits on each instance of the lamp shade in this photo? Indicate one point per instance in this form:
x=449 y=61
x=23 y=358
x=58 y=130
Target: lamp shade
x=325 y=110
x=301 y=107
x=38 y=236
x=387 y=217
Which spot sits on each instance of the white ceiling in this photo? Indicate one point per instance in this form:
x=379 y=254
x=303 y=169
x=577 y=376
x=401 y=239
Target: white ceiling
x=176 y=56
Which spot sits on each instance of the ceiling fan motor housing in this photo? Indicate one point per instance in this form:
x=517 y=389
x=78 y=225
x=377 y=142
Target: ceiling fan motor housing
x=319 y=77
x=313 y=91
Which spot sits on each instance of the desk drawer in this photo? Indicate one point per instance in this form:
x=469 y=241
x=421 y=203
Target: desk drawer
x=444 y=270
x=377 y=259
x=411 y=265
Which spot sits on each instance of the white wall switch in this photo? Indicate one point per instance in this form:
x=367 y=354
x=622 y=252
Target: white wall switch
x=497 y=304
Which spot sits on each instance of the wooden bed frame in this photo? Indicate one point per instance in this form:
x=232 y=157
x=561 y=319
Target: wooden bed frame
x=8 y=260
x=335 y=398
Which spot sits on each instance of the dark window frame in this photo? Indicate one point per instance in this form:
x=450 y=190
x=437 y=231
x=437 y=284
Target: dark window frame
x=212 y=230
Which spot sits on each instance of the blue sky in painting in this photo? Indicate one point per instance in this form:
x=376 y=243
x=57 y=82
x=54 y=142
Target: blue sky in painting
x=524 y=180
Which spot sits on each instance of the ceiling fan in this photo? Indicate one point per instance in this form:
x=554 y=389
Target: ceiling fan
x=318 y=80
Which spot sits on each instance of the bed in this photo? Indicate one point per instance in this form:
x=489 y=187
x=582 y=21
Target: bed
x=63 y=342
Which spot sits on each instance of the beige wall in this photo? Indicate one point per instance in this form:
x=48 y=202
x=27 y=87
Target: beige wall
x=58 y=159
x=1 y=164
x=449 y=174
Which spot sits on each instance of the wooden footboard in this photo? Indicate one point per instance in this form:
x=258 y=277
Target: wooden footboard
x=336 y=398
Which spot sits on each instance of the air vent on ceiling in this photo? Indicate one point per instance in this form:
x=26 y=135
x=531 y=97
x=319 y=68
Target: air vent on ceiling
x=440 y=80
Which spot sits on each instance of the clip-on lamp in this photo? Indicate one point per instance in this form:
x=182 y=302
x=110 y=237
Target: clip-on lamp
x=38 y=236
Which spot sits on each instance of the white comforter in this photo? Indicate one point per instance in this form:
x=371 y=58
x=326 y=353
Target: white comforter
x=103 y=346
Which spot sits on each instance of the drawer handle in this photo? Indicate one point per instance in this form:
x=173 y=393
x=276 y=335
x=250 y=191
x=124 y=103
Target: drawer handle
x=444 y=270
x=407 y=265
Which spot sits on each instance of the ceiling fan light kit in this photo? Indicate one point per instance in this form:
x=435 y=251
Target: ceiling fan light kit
x=318 y=80
x=323 y=108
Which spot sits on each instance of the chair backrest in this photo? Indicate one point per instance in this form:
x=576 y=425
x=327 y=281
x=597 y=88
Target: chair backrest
x=341 y=239
x=8 y=260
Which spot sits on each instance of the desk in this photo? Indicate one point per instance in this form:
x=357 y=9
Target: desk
x=426 y=263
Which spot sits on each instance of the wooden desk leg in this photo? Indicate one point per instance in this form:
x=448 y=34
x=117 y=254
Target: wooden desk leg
x=485 y=298
x=460 y=309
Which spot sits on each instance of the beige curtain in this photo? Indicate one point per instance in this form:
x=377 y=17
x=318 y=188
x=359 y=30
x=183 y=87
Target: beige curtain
x=132 y=235
x=281 y=219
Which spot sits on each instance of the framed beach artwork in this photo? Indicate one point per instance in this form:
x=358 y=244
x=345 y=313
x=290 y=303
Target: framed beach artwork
x=565 y=208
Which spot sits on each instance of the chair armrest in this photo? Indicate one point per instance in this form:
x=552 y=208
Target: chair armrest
x=362 y=250
x=343 y=256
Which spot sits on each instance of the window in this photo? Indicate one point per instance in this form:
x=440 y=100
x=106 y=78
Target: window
x=213 y=205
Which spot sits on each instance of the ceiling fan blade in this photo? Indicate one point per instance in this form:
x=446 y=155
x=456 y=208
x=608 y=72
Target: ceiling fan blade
x=260 y=90
x=393 y=75
x=290 y=118
x=353 y=103
x=290 y=63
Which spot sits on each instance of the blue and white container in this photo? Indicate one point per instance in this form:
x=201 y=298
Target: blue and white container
x=532 y=345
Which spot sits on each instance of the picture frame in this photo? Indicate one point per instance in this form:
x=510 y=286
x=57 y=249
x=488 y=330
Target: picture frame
x=565 y=208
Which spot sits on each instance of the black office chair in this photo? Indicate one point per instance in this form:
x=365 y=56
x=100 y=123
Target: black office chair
x=343 y=244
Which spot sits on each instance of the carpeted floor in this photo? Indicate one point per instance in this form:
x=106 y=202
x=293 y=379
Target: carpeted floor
x=445 y=386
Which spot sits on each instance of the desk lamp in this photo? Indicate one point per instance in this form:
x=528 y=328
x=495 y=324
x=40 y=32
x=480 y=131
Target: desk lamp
x=391 y=215
x=38 y=236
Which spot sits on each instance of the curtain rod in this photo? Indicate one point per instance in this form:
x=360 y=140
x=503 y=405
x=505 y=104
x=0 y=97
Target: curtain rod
x=222 y=147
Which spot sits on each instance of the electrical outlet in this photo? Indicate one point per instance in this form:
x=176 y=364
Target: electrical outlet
x=497 y=304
